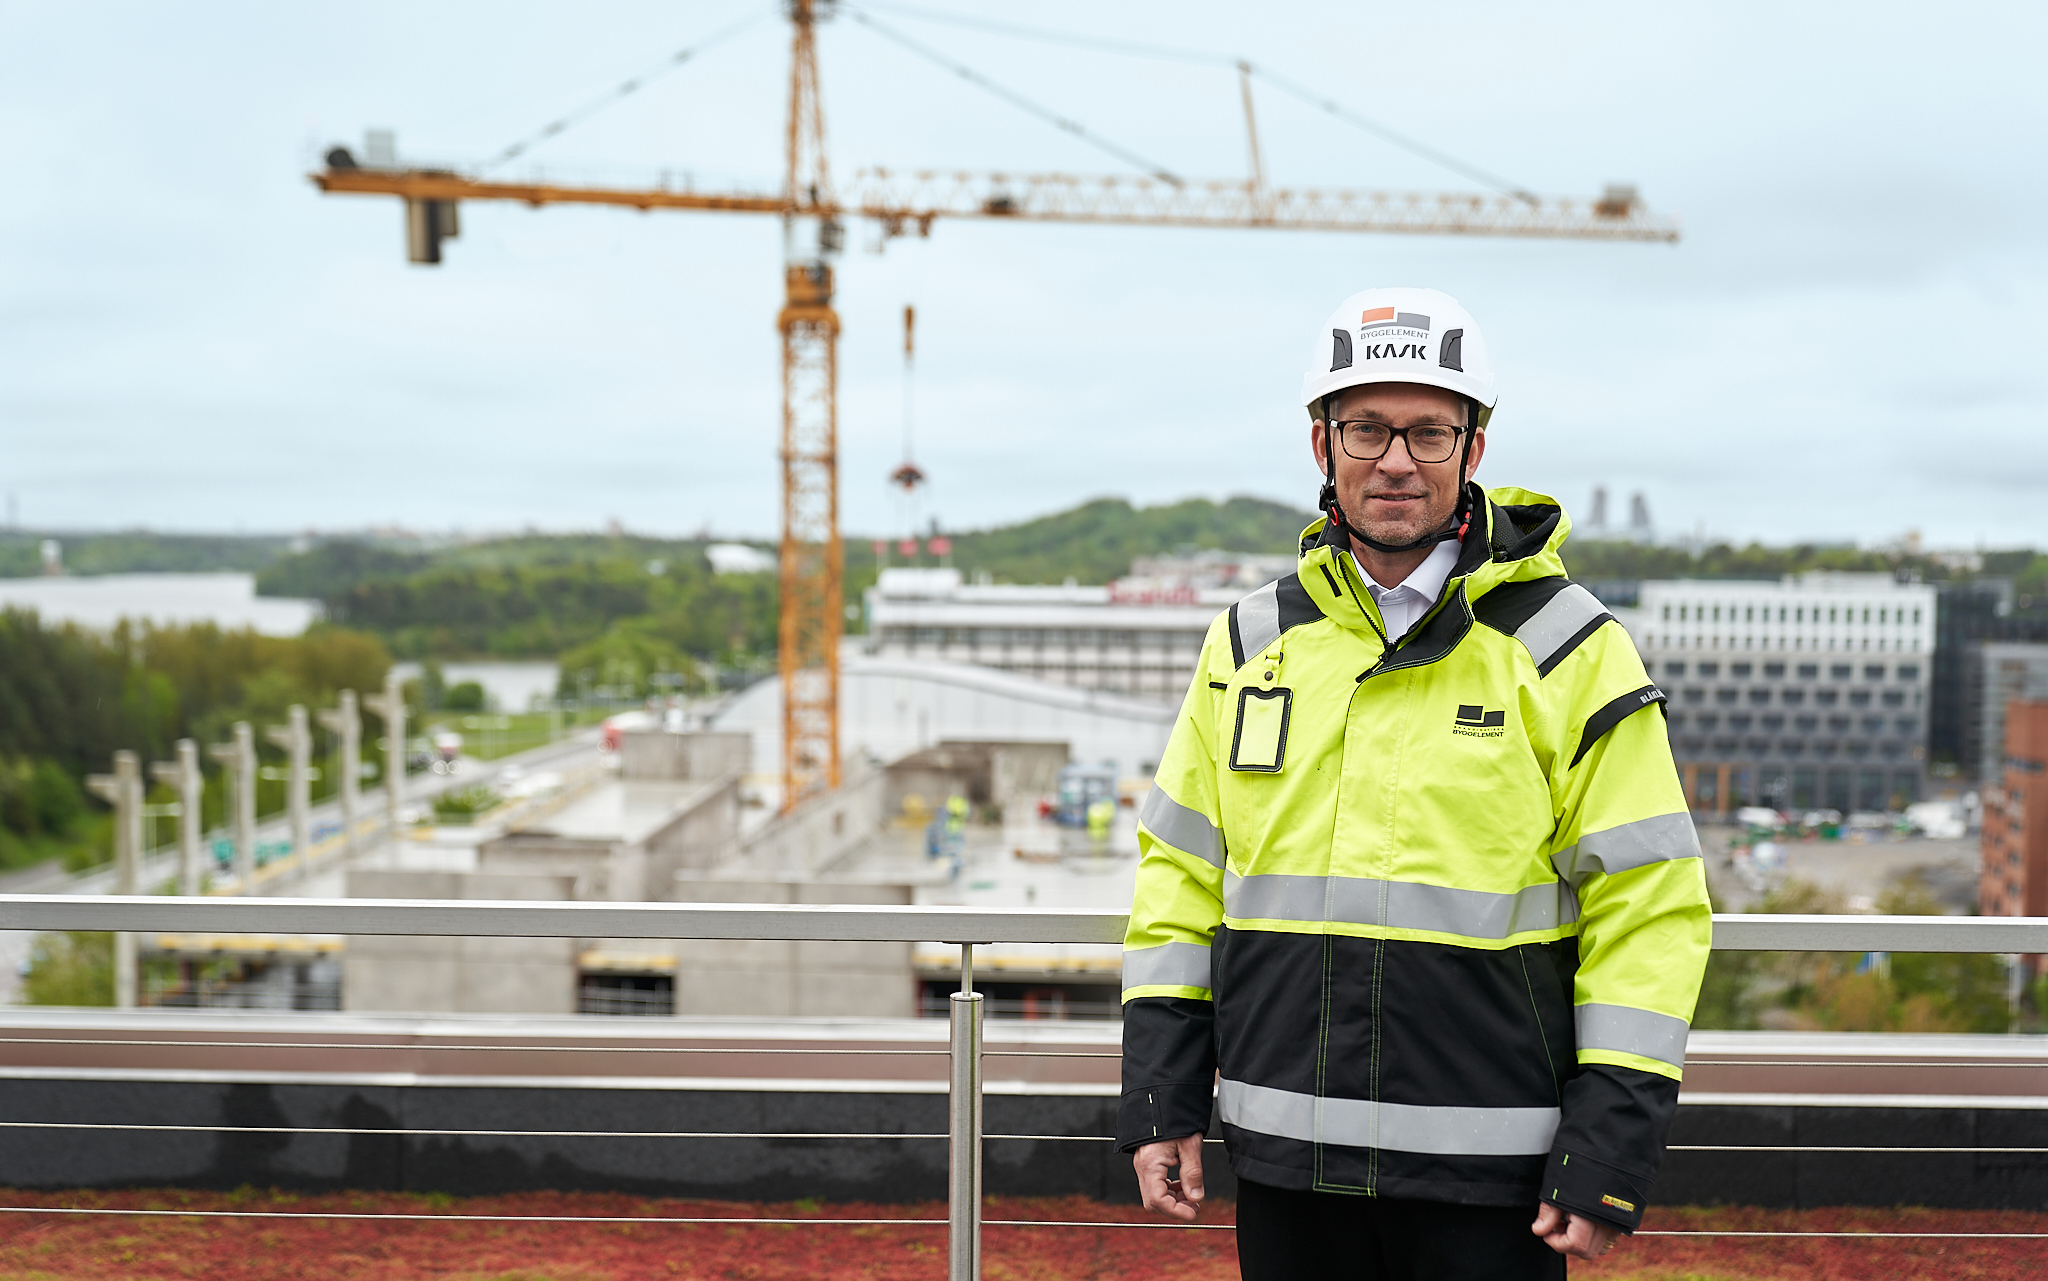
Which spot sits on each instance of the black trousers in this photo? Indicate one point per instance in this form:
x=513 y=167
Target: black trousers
x=1332 y=1236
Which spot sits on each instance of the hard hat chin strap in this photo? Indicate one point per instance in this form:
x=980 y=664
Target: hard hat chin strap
x=1452 y=531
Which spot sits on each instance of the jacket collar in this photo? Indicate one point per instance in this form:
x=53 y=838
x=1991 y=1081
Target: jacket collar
x=1516 y=534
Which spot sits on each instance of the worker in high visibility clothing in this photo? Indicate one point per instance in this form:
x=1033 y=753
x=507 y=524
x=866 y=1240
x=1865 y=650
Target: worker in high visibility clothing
x=1420 y=912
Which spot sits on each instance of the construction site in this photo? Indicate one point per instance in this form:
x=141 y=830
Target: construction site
x=739 y=883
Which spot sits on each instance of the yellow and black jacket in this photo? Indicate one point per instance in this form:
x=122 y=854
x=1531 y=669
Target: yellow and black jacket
x=1424 y=922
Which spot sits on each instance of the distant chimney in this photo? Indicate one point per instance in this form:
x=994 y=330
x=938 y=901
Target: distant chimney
x=1639 y=527
x=1596 y=522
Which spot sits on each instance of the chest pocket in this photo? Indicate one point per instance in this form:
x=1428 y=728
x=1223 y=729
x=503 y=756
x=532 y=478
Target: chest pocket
x=1259 y=745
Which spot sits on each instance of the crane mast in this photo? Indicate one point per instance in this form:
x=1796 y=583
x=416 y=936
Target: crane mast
x=812 y=561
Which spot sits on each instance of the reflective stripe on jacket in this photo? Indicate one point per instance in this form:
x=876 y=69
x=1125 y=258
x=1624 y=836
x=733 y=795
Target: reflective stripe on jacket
x=1434 y=915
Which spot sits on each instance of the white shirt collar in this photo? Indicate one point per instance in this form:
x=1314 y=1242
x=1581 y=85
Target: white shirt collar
x=1425 y=580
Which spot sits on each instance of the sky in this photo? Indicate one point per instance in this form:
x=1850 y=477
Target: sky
x=1844 y=346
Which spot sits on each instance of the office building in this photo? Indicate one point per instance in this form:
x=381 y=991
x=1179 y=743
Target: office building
x=1806 y=693
x=2014 y=879
x=1995 y=674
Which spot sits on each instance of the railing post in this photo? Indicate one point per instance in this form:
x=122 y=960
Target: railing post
x=963 y=1130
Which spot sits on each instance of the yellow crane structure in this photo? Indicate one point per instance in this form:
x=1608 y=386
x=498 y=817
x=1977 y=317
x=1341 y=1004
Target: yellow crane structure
x=814 y=214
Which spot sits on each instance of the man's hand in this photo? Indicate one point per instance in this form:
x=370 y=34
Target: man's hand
x=1568 y=1234
x=1181 y=1197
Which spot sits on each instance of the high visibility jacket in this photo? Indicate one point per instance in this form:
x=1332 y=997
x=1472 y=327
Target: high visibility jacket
x=1426 y=921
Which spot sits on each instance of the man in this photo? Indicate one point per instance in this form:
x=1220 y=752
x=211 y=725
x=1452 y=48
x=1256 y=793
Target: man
x=1420 y=908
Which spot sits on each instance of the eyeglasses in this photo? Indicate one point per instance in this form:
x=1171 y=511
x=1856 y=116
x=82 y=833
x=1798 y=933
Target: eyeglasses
x=1426 y=442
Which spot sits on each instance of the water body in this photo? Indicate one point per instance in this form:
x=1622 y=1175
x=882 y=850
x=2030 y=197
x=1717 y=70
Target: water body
x=101 y=600
x=509 y=687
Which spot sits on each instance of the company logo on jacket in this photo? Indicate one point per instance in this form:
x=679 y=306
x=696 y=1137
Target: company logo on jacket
x=1474 y=721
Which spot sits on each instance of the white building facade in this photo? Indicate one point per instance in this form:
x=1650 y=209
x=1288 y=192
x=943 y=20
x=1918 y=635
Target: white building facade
x=1806 y=693
x=1137 y=638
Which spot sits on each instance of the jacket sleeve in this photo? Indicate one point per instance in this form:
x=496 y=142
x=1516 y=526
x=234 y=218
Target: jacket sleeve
x=1626 y=845
x=1169 y=1062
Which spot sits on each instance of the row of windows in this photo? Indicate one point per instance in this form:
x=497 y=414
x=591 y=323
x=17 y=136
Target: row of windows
x=1858 y=749
x=1760 y=696
x=1886 y=615
x=1772 y=722
x=1039 y=637
x=1832 y=644
x=1742 y=671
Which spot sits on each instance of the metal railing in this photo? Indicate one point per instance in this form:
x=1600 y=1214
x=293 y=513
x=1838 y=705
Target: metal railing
x=964 y=927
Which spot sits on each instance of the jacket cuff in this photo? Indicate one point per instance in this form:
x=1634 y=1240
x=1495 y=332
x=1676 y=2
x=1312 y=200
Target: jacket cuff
x=1170 y=1111
x=1578 y=1183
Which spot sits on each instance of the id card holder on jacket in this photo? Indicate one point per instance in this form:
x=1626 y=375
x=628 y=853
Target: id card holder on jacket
x=1260 y=744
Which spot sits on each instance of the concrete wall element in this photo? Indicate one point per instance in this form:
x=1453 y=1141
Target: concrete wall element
x=1008 y=776
x=698 y=837
x=816 y=834
x=697 y=831
x=459 y=975
x=777 y=978
x=659 y=754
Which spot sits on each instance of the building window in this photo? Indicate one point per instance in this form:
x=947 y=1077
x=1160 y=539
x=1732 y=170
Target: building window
x=1838 y=724
x=1674 y=670
x=1809 y=671
x=1859 y=698
x=1709 y=671
x=1792 y=697
x=1909 y=672
x=1806 y=724
x=1895 y=698
x=1727 y=696
x=1873 y=724
x=1707 y=721
x=1760 y=696
x=1740 y=671
x=1773 y=722
x=1677 y=720
x=1774 y=671
x=1825 y=697
x=1831 y=613
x=1841 y=671
x=1916 y=617
x=1739 y=721
x=1874 y=672
x=1909 y=725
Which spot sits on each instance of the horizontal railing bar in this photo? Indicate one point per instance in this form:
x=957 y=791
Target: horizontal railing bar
x=398 y=1132
x=116 y=1040
x=864 y=922
x=833 y=922
x=1762 y=932
x=450 y=1218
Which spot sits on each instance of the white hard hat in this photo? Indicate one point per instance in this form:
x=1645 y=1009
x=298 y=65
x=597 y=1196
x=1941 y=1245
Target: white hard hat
x=1397 y=335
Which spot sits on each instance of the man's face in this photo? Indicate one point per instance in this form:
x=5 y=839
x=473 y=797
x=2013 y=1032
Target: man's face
x=1395 y=499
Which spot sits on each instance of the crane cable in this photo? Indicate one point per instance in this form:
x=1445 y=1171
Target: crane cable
x=1015 y=99
x=1171 y=53
x=625 y=89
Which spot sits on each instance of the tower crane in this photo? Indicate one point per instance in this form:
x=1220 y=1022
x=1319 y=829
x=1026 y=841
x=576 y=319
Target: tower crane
x=814 y=213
